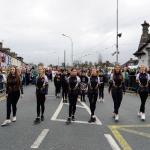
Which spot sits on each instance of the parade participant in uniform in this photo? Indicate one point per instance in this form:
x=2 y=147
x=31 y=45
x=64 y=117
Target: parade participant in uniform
x=143 y=89
x=83 y=85
x=93 y=84
x=73 y=91
x=101 y=86
x=41 y=93
x=13 y=88
x=57 y=83
x=117 y=88
x=64 y=85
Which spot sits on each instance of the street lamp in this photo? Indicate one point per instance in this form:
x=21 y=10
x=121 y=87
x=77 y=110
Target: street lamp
x=58 y=57
x=117 y=35
x=71 y=47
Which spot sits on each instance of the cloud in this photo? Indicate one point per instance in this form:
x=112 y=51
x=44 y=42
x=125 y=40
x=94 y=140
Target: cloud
x=34 y=28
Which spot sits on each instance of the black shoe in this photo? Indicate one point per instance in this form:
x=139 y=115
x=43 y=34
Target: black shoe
x=92 y=120
x=73 y=118
x=42 y=118
x=37 y=120
x=68 y=121
x=84 y=100
x=65 y=101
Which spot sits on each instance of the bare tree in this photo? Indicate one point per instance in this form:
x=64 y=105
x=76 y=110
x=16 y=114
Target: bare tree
x=100 y=59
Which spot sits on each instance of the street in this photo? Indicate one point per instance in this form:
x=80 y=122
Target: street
x=130 y=133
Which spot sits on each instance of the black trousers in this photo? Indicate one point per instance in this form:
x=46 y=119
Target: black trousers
x=143 y=97
x=117 y=98
x=64 y=92
x=72 y=103
x=92 y=100
x=101 y=91
x=12 y=100
x=40 y=104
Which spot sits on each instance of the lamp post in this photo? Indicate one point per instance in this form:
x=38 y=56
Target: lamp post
x=117 y=35
x=58 y=57
x=71 y=48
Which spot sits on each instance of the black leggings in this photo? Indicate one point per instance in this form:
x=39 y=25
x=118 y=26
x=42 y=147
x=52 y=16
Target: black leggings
x=12 y=100
x=117 y=98
x=40 y=104
x=101 y=91
x=72 y=104
x=64 y=93
x=57 y=89
x=143 y=96
x=92 y=100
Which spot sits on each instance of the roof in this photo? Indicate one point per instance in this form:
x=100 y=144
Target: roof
x=142 y=45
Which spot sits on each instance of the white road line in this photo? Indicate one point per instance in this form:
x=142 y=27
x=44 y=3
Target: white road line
x=76 y=105
x=40 y=138
x=84 y=122
x=57 y=111
x=112 y=142
x=88 y=110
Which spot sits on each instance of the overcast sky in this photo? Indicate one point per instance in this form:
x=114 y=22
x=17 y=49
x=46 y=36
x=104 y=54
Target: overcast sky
x=33 y=28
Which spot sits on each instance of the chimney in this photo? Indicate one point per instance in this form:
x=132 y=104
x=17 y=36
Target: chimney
x=1 y=45
x=145 y=26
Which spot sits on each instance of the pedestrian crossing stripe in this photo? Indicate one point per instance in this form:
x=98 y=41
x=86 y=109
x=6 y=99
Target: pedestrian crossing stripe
x=115 y=130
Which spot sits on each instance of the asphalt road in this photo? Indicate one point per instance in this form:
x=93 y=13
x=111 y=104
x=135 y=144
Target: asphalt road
x=52 y=134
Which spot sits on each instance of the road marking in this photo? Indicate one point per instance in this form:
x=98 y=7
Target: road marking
x=88 y=110
x=57 y=111
x=119 y=138
x=112 y=142
x=76 y=105
x=76 y=121
x=54 y=117
x=40 y=138
x=115 y=130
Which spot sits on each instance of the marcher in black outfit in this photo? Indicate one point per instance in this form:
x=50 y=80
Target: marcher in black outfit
x=101 y=86
x=57 y=83
x=73 y=91
x=13 y=88
x=143 y=89
x=83 y=86
x=117 y=88
x=93 y=84
x=64 y=85
x=41 y=93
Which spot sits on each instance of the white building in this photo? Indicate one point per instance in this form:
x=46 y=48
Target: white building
x=143 y=52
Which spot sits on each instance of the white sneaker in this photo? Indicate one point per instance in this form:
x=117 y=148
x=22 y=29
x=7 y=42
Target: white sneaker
x=117 y=118
x=14 y=119
x=114 y=115
x=99 y=100
x=143 y=117
x=6 y=122
x=139 y=114
x=103 y=100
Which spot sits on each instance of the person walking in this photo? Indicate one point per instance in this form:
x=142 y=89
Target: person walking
x=143 y=89
x=93 y=83
x=101 y=86
x=117 y=88
x=41 y=93
x=13 y=89
x=73 y=91
x=83 y=85
x=64 y=85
